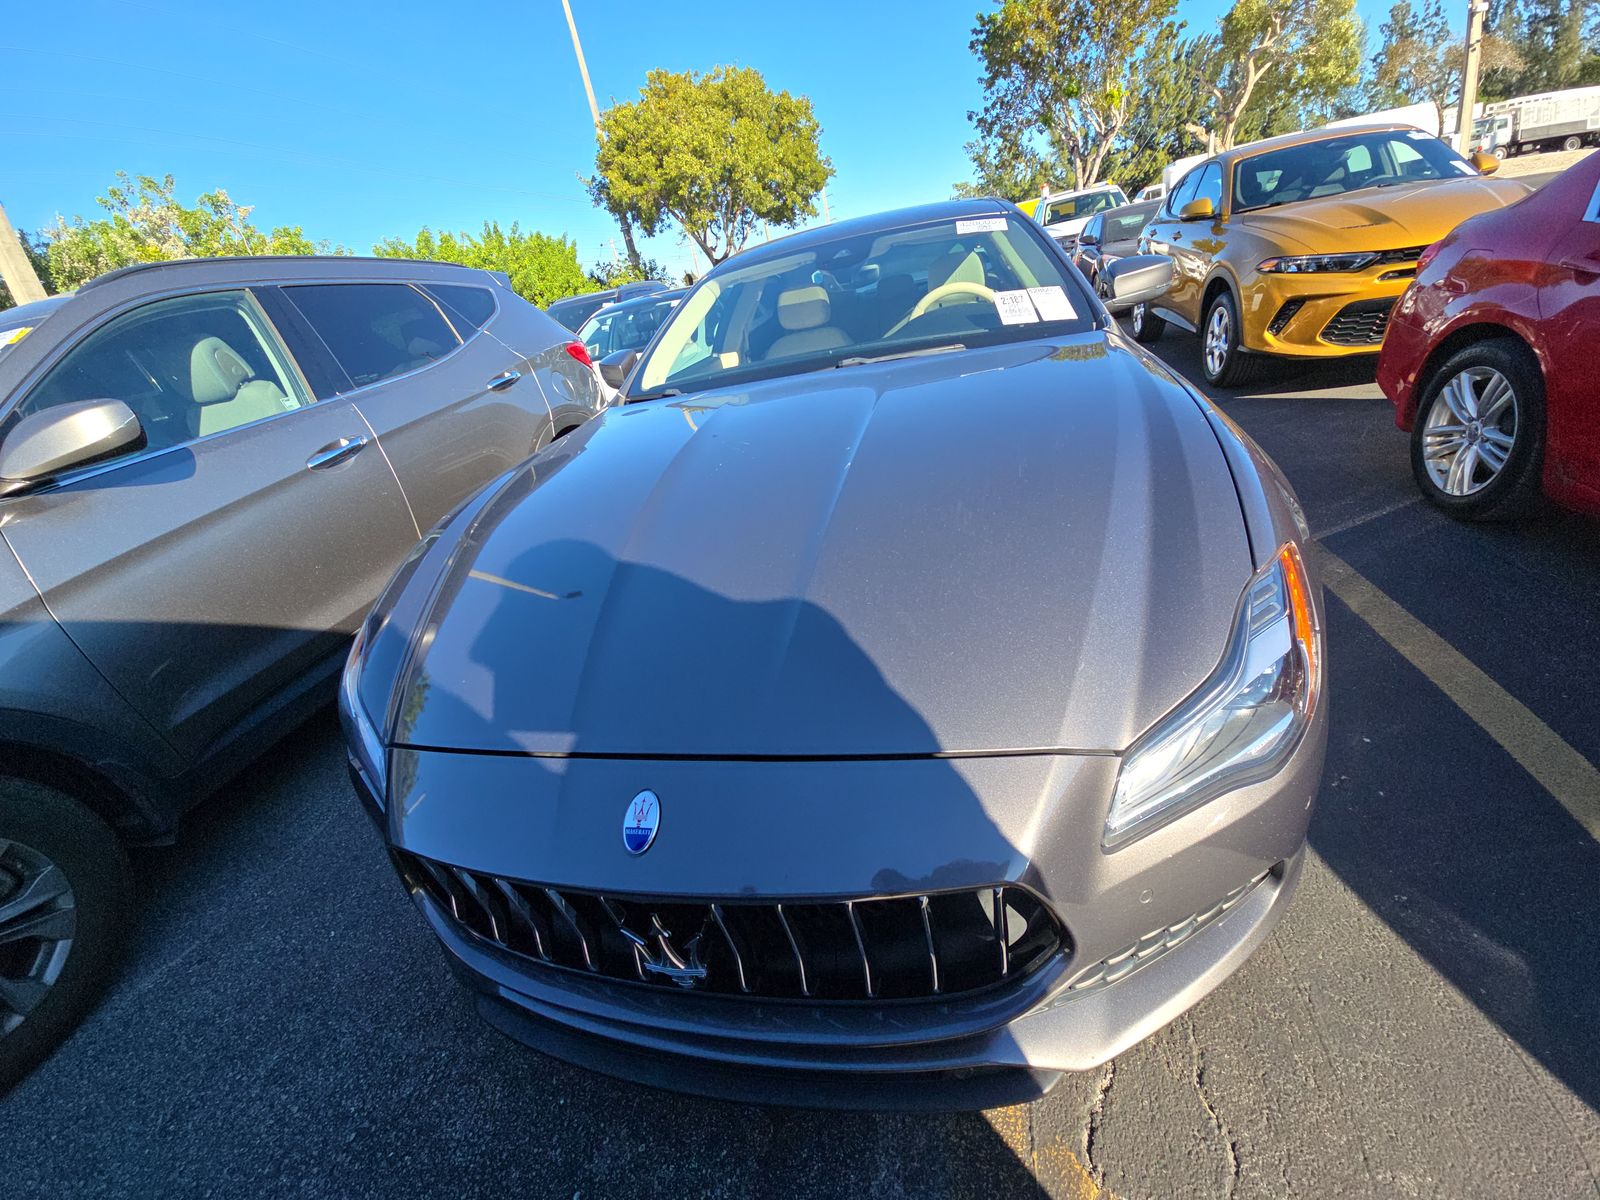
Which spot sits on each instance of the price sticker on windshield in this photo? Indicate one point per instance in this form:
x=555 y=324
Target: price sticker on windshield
x=981 y=225
x=1015 y=308
x=1052 y=304
x=14 y=335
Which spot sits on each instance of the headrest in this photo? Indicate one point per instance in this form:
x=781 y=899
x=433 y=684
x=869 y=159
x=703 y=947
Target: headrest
x=803 y=308
x=958 y=266
x=216 y=372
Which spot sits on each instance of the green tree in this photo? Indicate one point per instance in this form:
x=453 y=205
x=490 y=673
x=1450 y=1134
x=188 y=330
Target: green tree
x=1307 y=51
x=1004 y=167
x=542 y=269
x=1420 y=60
x=145 y=223
x=1543 y=45
x=613 y=274
x=714 y=154
x=1069 y=73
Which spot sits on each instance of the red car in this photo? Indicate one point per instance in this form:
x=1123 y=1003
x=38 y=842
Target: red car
x=1492 y=356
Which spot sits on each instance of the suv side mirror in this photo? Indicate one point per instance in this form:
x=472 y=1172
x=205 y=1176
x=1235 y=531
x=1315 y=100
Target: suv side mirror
x=57 y=439
x=1486 y=164
x=1197 y=210
x=1137 y=279
x=1088 y=239
x=614 y=367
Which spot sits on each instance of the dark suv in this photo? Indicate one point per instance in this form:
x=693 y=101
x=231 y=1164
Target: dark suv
x=208 y=470
x=573 y=311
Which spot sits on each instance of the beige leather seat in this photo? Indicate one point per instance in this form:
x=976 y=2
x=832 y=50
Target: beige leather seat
x=803 y=312
x=226 y=389
x=956 y=267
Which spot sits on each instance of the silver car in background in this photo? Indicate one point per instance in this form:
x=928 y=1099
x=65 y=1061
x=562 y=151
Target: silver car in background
x=208 y=469
x=909 y=692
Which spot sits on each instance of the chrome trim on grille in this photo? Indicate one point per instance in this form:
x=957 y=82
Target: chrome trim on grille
x=923 y=946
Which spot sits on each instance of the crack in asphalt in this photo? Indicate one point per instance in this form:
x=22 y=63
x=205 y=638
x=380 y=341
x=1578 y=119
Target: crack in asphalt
x=1094 y=1119
x=1197 y=1058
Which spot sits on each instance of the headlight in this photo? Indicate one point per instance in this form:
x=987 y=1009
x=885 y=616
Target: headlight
x=362 y=737
x=1297 y=264
x=1242 y=723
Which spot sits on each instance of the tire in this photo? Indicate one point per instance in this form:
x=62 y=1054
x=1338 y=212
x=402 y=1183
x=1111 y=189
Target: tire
x=1457 y=471
x=1572 y=143
x=1223 y=362
x=62 y=871
x=1147 y=327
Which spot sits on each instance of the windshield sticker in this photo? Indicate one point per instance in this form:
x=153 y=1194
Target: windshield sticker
x=11 y=336
x=1052 y=304
x=1418 y=135
x=981 y=225
x=1015 y=308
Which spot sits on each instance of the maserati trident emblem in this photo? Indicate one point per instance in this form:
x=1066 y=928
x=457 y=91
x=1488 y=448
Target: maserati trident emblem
x=640 y=822
x=658 y=956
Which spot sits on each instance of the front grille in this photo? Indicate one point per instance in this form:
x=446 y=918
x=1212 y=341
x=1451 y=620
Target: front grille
x=1359 y=324
x=938 y=944
x=1408 y=254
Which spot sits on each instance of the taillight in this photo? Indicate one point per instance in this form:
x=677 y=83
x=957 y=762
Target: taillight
x=1428 y=254
x=580 y=352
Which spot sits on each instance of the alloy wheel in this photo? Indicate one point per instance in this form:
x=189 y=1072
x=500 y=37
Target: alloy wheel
x=1136 y=317
x=1219 y=329
x=1470 y=431
x=38 y=920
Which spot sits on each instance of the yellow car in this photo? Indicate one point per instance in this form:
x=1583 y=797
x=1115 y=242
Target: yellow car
x=1299 y=245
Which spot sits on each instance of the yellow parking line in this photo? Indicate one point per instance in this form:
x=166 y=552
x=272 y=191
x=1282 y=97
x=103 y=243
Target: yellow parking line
x=1567 y=775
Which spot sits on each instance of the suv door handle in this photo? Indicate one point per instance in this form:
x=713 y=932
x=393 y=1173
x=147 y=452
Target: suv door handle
x=500 y=382
x=336 y=452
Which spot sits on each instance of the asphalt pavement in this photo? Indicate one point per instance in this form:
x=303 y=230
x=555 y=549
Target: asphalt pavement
x=1426 y=1021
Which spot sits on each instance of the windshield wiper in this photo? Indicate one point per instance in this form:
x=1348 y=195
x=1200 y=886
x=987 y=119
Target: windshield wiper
x=861 y=360
x=663 y=394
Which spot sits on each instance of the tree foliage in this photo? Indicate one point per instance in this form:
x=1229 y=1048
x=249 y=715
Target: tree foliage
x=1420 y=60
x=144 y=222
x=714 y=154
x=1067 y=73
x=542 y=269
x=1303 y=54
x=1540 y=45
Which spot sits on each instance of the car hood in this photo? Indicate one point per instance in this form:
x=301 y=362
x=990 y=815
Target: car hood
x=1390 y=218
x=1027 y=547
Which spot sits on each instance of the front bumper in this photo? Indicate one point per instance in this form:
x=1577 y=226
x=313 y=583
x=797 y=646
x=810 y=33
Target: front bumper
x=1321 y=315
x=832 y=829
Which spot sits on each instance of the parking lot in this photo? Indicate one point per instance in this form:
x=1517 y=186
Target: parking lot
x=1424 y=1023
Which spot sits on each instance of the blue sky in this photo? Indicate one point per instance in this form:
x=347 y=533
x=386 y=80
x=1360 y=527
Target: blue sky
x=360 y=121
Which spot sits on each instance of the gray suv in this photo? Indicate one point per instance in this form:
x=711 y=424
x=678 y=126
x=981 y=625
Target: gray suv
x=208 y=470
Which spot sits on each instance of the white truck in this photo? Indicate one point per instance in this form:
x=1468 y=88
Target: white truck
x=1566 y=120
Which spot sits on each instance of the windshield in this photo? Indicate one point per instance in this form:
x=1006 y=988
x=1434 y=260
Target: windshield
x=1336 y=165
x=623 y=326
x=927 y=287
x=1071 y=207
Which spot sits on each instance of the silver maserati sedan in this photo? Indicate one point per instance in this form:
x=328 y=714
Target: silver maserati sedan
x=909 y=692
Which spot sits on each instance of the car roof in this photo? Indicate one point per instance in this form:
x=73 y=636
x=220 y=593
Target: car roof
x=1304 y=137
x=1105 y=185
x=645 y=301
x=245 y=265
x=33 y=312
x=884 y=222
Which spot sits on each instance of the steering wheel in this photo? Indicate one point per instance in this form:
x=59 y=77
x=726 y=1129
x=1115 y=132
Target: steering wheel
x=956 y=287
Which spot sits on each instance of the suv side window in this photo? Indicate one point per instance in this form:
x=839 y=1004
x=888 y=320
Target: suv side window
x=1182 y=194
x=598 y=342
x=187 y=367
x=1210 y=188
x=469 y=308
x=375 y=330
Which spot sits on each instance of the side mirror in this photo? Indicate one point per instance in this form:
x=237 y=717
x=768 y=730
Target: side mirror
x=1198 y=210
x=1137 y=279
x=1486 y=164
x=1088 y=239
x=57 y=439
x=614 y=367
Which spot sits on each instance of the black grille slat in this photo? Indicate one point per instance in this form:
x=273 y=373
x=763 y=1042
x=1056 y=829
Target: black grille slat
x=1404 y=255
x=1360 y=324
x=921 y=947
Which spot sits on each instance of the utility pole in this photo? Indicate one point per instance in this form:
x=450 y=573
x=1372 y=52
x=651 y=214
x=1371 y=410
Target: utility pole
x=594 y=111
x=15 y=268
x=827 y=218
x=1476 y=11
